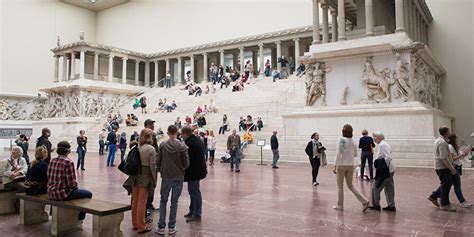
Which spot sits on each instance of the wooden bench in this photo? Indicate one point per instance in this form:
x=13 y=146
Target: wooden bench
x=107 y=216
x=7 y=199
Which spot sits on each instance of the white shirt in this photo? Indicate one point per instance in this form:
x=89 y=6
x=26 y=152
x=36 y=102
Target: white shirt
x=385 y=151
x=345 y=152
x=454 y=153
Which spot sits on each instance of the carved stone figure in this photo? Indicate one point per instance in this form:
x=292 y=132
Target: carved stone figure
x=17 y=112
x=89 y=105
x=75 y=106
x=345 y=92
x=402 y=79
x=378 y=83
x=316 y=83
x=426 y=84
x=37 y=112
x=58 y=41
x=4 y=115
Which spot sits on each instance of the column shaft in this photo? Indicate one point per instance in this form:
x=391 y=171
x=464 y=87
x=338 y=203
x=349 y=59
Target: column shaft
x=297 y=52
x=242 y=63
x=137 y=72
x=180 y=71
x=96 y=65
x=399 y=18
x=82 y=64
x=111 y=68
x=369 y=18
x=221 y=57
x=155 y=83
x=278 y=44
x=64 y=58
x=325 y=23
x=262 y=63
x=342 y=20
x=334 y=26
x=147 y=74
x=316 y=34
x=73 y=66
x=124 y=70
x=191 y=68
x=56 y=68
x=205 y=68
x=167 y=65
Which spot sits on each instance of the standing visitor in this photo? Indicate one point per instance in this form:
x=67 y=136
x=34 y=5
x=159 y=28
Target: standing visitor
x=291 y=65
x=211 y=145
x=112 y=141
x=194 y=173
x=268 y=67
x=314 y=150
x=366 y=144
x=43 y=140
x=168 y=79
x=22 y=142
x=385 y=169
x=150 y=124
x=457 y=156
x=203 y=136
x=144 y=181
x=62 y=183
x=284 y=67
x=102 y=137
x=81 y=149
x=274 y=145
x=37 y=175
x=143 y=104
x=172 y=160
x=233 y=148
x=344 y=168
x=225 y=124
x=445 y=171
x=122 y=145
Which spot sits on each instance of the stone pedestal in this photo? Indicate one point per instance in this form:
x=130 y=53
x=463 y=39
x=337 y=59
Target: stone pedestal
x=64 y=221
x=7 y=200
x=107 y=225
x=32 y=213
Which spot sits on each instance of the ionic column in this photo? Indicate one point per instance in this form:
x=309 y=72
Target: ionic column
x=409 y=22
x=180 y=71
x=137 y=72
x=342 y=20
x=56 y=68
x=221 y=57
x=111 y=67
x=316 y=22
x=65 y=72
x=124 y=70
x=191 y=67
x=205 y=68
x=399 y=16
x=415 y=25
x=72 y=69
x=278 y=44
x=254 y=61
x=82 y=64
x=147 y=74
x=96 y=65
x=369 y=18
x=334 y=26
x=242 y=63
x=325 y=23
x=297 y=52
x=167 y=65
x=156 y=73
x=262 y=63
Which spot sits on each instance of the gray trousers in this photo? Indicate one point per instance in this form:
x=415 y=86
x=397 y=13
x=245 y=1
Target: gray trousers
x=389 y=187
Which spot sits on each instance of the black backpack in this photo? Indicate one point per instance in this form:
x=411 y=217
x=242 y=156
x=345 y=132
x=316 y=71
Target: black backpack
x=132 y=165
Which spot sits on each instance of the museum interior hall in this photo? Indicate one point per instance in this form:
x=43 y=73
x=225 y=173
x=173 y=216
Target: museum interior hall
x=236 y=118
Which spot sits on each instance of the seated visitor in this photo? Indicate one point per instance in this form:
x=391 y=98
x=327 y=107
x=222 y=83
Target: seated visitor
x=174 y=105
x=205 y=110
x=241 y=124
x=224 y=82
x=238 y=86
x=198 y=110
x=191 y=90
x=169 y=107
x=177 y=123
x=137 y=103
x=212 y=107
x=188 y=120
x=300 y=71
x=259 y=123
x=248 y=137
x=62 y=183
x=130 y=121
x=201 y=121
x=275 y=74
x=197 y=91
x=14 y=171
x=160 y=107
x=37 y=178
x=207 y=90
x=160 y=134
x=249 y=123
x=134 y=117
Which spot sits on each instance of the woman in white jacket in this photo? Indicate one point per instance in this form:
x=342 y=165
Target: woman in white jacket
x=211 y=146
x=344 y=168
x=14 y=173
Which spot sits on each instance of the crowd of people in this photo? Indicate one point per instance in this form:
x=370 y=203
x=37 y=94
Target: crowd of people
x=165 y=105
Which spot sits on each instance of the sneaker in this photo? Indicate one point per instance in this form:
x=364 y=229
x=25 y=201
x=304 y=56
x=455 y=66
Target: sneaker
x=365 y=206
x=448 y=207
x=237 y=171
x=160 y=231
x=375 y=208
x=193 y=219
x=172 y=231
x=466 y=204
x=189 y=215
x=275 y=167
x=315 y=184
x=337 y=208
x=434 y=201
x=392 y=209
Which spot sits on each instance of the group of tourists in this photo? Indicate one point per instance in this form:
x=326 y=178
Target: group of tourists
x=165 y=105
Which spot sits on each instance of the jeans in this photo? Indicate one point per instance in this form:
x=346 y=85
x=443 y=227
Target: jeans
x=446 y=181
x=195 y=207
x=389 y=188
x=78 y=194
x=235 y=159
x=206 y=153
x=81 y=154
x=315 y=164
x=457 y=184
x=122 y=153
x=267 y=72
x=276 y=76
x=101 y=147
x=222 y=129
x=345 y=172
x=168 y=83
x=276 y=157
x=366 y=156
x=175 y=185
x=111 y=157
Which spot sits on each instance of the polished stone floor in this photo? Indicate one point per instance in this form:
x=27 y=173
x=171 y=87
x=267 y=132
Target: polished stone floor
x=261 y=201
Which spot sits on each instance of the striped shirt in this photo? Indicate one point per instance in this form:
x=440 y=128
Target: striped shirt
x=61 y=178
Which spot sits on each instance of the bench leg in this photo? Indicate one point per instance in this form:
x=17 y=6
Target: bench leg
x=64 y=221
x=32 y=213
x=107 y=226
x=7 y=200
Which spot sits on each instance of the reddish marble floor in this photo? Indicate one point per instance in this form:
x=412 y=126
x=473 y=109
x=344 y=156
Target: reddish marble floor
x=261 y=201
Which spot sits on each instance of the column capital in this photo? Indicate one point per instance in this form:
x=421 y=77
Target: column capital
x=204 y=54
x=111 y=55
x=191 y=56
x=96 y=53
x=241 y=48
x=137 y=61
x=296 y=39
x=324 y=5
x=221 y=50
x=333 y=12
x=167 y=60
x=57 y=56
x=260 y=44
x=124 y=58
x=278 y=42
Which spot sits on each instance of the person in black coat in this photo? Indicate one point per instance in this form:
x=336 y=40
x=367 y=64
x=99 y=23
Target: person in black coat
x=276 y=153
x=44 y=141
x=313 y=150
x=194 y=173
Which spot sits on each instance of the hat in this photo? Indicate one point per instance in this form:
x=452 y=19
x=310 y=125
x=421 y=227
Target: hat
x=149 y=121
